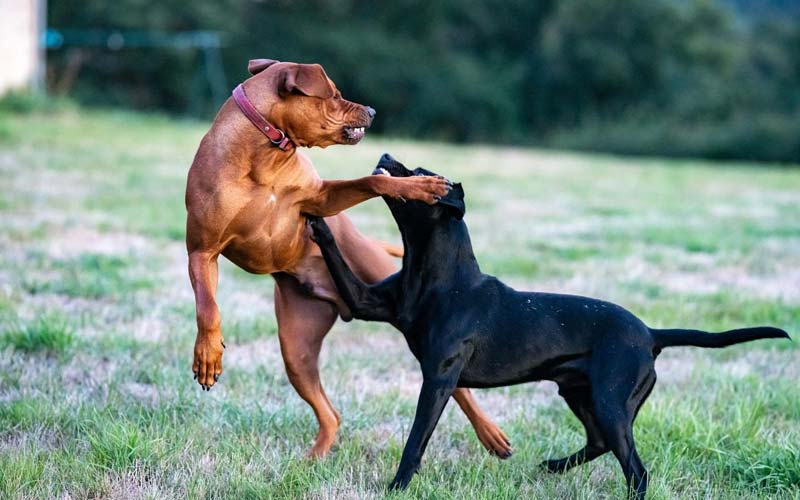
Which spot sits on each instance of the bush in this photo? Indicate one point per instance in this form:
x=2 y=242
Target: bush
x=765 y=137
x=723 y=83
x=26 y=102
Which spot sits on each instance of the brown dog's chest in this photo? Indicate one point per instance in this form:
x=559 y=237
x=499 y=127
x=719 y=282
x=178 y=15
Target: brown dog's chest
x=268 y=234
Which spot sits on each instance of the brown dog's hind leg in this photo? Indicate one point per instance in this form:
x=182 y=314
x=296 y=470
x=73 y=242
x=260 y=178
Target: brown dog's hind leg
x=303 y=322
x=489 y=434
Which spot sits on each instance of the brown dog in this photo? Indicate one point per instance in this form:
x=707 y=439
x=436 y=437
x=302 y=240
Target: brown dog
x=244 y=198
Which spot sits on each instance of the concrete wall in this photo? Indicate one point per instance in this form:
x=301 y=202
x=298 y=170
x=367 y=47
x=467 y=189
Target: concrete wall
x=21 y=61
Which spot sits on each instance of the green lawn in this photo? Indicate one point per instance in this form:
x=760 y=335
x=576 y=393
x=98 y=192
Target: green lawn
x=97 y=326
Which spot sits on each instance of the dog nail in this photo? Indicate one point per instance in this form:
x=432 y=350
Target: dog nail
x=216 y=377
x=437 y=197
x=223 y=345
x=195 y=375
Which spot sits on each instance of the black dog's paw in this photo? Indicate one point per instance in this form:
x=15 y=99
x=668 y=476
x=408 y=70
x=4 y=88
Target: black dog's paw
x=396 y=485
x=400 y=481
x=554 y=466
x=321 y=233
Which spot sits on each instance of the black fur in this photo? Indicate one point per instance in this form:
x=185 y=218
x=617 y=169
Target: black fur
x=467 y=329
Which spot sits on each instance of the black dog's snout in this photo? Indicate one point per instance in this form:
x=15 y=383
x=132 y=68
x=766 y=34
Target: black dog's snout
x=371 y=112
x=387 y=158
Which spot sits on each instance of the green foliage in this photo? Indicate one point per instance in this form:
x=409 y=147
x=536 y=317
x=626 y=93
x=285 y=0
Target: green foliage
x=90 y=275
x=689 y=78
x=22 y=102
x=118 y=445
x=48 y=334
x=26 y=102
x=21 y=472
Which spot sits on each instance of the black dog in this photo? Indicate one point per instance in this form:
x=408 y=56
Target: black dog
x=468 y=329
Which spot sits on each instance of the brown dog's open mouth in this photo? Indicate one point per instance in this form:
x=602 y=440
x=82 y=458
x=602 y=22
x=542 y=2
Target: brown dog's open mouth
x=352 y=135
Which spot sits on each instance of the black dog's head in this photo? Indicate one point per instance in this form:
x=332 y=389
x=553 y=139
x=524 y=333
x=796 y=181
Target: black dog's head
x=417 y=213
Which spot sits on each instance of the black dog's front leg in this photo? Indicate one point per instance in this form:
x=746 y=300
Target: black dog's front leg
x=440 y=377
x=366 y=302
x=432 y=400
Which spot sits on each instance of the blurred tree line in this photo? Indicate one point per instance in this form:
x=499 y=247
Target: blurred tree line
x=664 y=77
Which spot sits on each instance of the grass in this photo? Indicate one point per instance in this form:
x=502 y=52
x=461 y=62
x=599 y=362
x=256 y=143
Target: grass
x=97 y=325
x=89 y=275
x=45 y=334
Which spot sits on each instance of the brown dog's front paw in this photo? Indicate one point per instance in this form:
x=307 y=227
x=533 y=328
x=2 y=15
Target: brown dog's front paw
x=207 y=365
x=429 y=189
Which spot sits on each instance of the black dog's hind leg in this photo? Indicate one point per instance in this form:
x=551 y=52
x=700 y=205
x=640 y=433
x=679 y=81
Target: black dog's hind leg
x=618 y=394
x=579 y=401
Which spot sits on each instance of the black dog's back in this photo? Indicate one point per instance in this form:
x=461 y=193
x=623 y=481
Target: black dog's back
x=527 y=336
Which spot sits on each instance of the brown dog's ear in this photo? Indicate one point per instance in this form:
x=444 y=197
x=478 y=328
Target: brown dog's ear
x=308 y=79
x=255 y=66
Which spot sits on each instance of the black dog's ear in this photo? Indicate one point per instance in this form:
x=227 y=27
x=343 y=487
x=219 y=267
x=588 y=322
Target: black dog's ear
x=454 y=201
x=256 y=66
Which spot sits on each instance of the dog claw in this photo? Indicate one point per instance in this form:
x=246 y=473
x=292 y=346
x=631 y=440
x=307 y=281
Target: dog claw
x=437 y=197
x=216 y=378
x=223 y=345
x=195 y=375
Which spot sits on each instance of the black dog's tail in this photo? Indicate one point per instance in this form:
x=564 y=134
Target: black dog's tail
x=676 y=337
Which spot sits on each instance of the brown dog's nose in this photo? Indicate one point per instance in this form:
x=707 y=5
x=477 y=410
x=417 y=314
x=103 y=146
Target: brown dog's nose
x=371 y=112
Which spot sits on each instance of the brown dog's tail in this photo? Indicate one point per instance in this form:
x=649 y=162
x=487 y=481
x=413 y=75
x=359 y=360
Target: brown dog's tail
x=678 y=337
x=393 y=250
